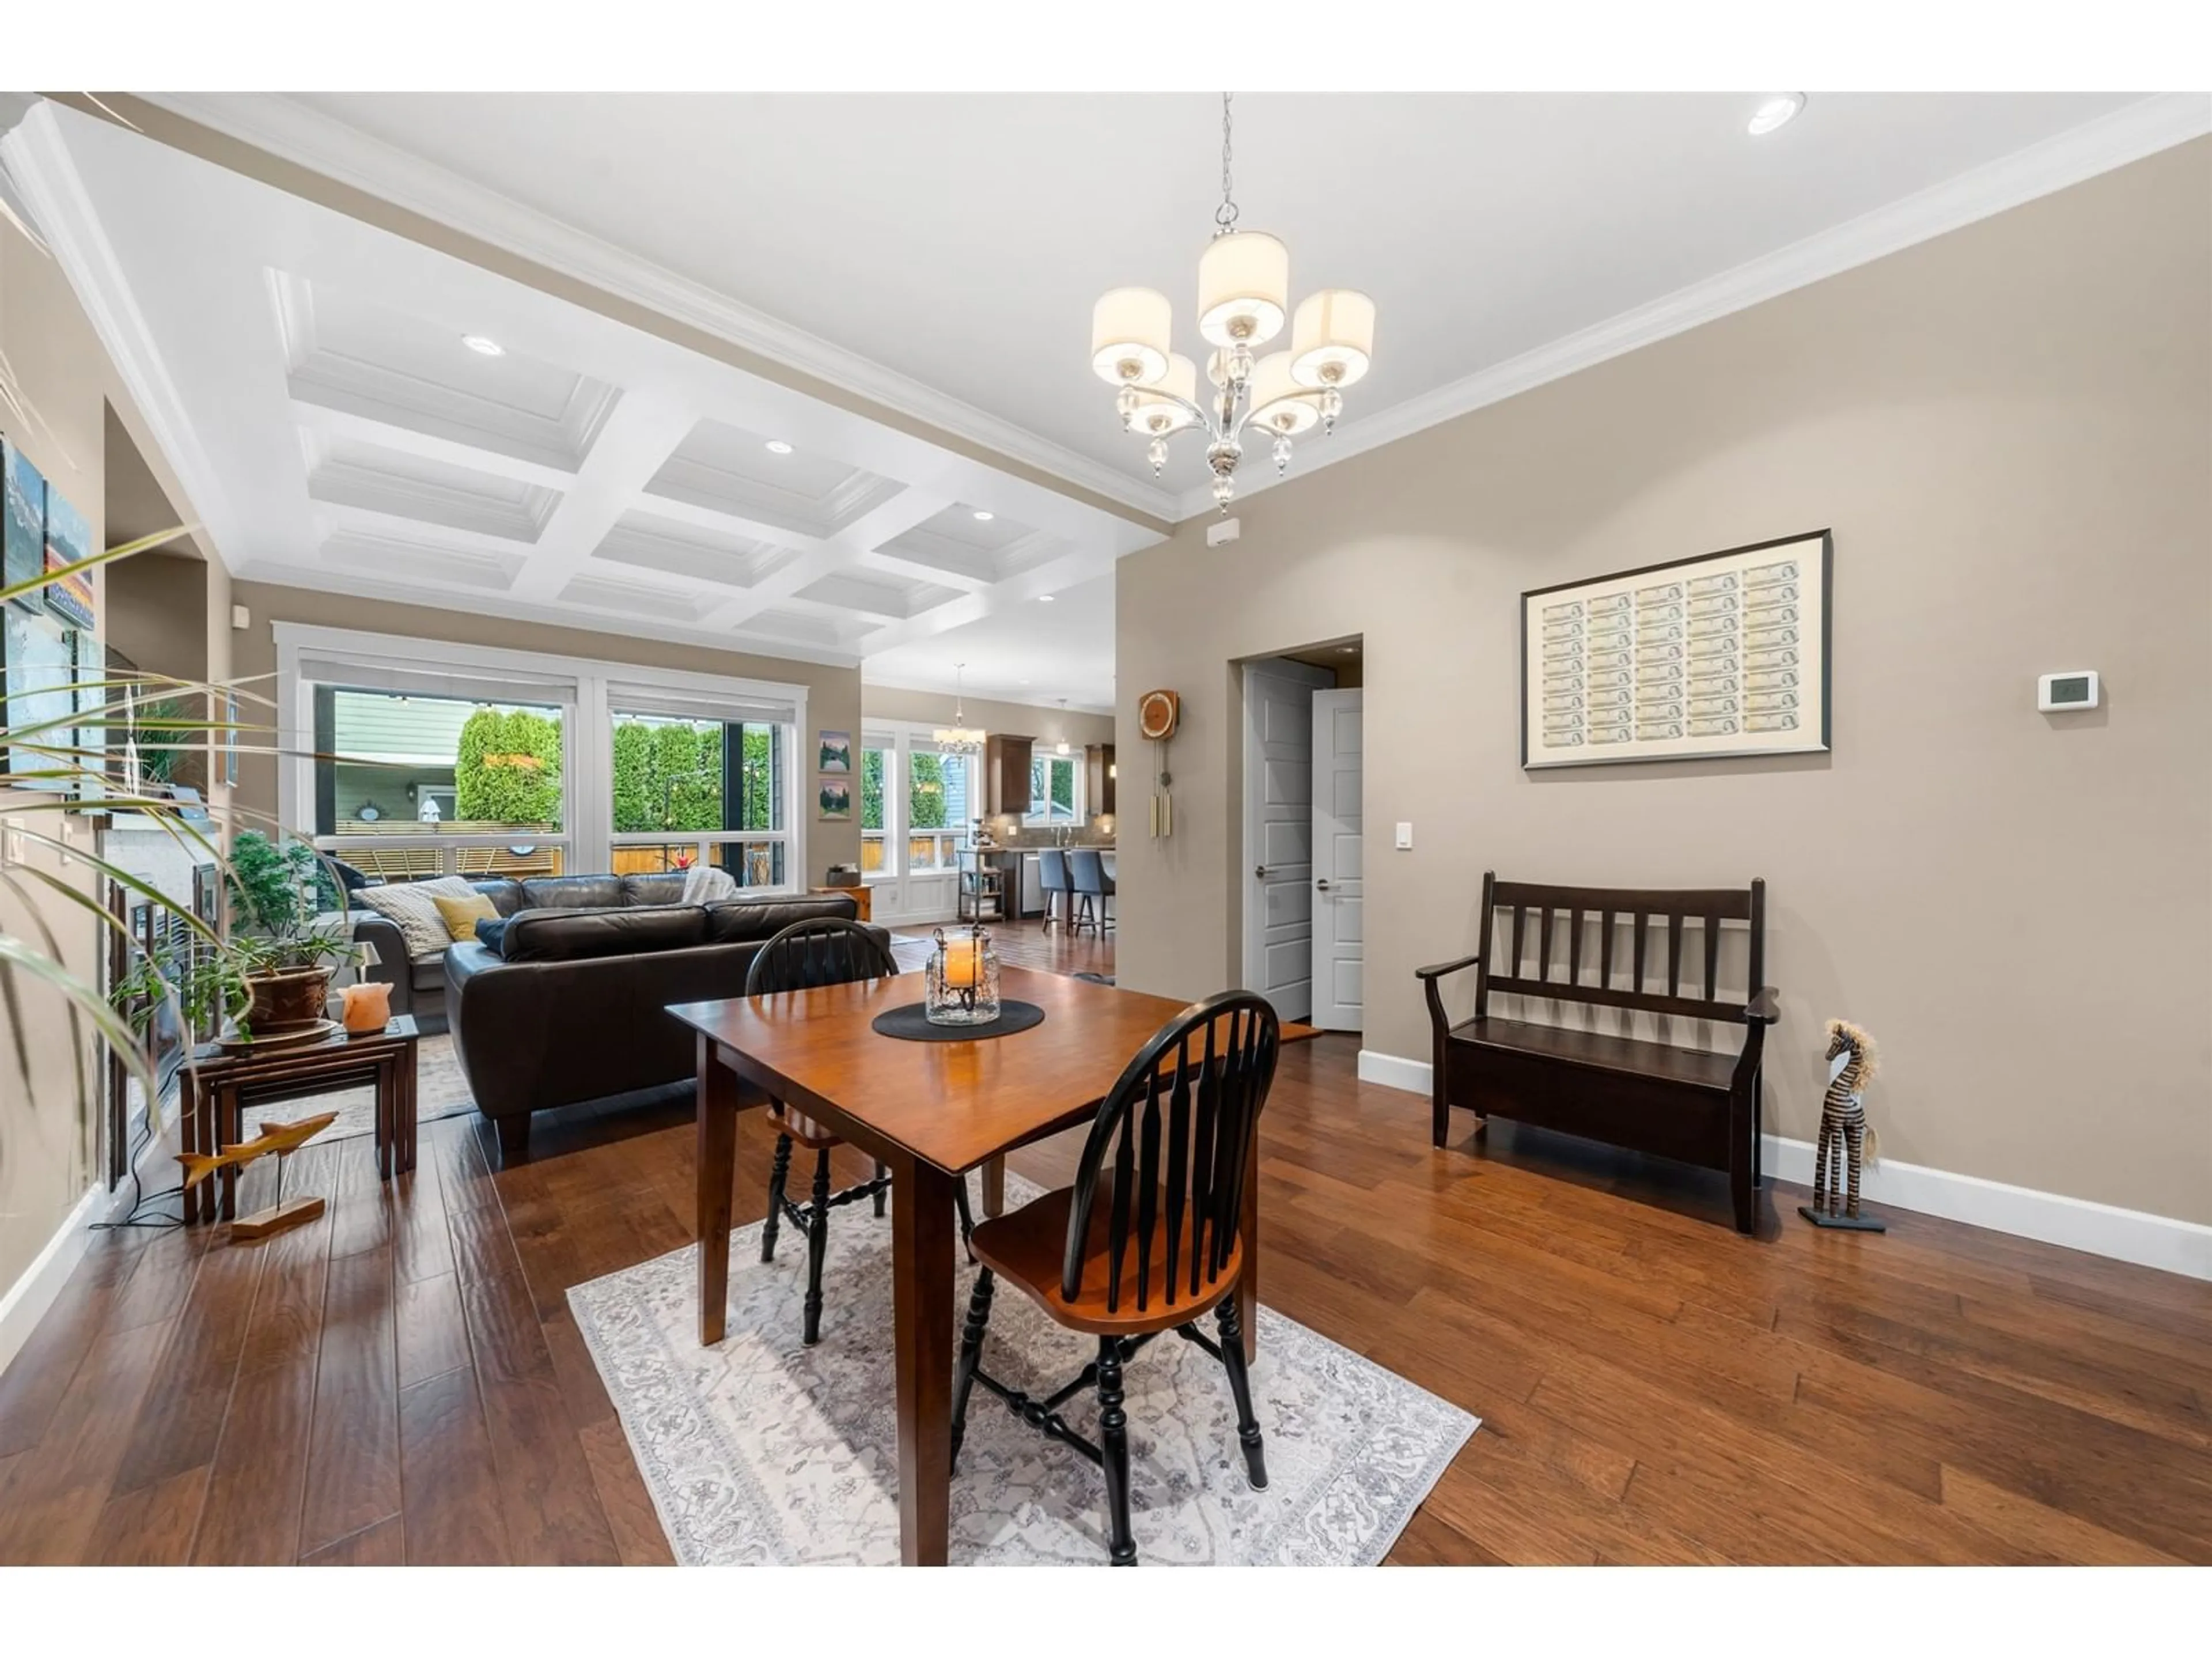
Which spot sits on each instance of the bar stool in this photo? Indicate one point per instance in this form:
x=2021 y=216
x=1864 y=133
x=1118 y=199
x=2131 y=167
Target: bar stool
x=1091 y=884
x=1053 y=877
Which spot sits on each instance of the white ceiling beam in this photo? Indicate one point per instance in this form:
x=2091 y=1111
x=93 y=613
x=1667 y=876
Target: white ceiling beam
x=1067 y=571
x=390 y=434
x=638 y=437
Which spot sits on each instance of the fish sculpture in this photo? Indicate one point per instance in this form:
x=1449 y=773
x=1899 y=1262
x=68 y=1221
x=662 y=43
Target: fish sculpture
x=277 y=1138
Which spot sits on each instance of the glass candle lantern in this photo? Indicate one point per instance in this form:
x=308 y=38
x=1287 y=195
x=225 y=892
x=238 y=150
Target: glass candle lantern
x=962 y=979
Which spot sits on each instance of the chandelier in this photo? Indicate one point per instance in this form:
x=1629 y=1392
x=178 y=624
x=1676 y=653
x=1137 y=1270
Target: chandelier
x=1243 y=299
x=959 y=738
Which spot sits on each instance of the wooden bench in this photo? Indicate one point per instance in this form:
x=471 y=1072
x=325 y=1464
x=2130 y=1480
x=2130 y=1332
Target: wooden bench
x=1690 y=1104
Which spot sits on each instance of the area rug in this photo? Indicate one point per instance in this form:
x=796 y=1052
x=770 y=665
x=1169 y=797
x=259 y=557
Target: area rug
x=762 y=1451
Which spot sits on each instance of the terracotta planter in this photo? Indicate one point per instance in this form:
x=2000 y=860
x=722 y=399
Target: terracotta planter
x=289 y=1000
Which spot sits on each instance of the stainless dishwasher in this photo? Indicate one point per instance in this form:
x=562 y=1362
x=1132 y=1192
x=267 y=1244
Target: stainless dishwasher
x=1031 y=903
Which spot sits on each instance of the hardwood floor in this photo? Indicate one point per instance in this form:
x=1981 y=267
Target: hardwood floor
x=402 y=1380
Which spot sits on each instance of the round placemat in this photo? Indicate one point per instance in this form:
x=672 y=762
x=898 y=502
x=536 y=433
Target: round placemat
x=911 y=1023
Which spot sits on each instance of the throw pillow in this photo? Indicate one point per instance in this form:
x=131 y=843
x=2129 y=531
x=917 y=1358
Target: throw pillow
x=461 y=915
x=412 y=907
x=707 y=883
x=492 y=935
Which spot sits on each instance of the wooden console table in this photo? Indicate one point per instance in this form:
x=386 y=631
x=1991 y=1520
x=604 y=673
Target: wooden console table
x=864 y=898
x=215 y=1089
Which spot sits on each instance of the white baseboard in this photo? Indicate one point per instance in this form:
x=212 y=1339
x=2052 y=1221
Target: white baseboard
x=2078 y=1224
x=29 y=1297
x=1392 y=1073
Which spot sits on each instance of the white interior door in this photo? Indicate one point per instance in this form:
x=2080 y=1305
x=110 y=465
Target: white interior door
x=1278 y=833
x=1339 y=950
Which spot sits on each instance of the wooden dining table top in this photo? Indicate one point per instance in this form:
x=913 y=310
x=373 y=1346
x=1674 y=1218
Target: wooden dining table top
x=954 y=1104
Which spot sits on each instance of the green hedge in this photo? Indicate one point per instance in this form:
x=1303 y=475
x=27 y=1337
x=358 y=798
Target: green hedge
x=508 y=769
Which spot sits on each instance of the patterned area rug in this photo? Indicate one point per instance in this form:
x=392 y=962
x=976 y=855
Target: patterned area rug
x=760 y=1451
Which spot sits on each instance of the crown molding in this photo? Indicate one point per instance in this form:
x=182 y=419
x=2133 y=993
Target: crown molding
x=294 y=132
x=40 y=163
x=2128 y=134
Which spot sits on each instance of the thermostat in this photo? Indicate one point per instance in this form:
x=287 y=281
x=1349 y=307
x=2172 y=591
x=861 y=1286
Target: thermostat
x=2060 y=694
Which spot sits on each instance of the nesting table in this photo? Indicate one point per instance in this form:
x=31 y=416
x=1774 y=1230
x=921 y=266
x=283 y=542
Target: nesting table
x=216 y=1088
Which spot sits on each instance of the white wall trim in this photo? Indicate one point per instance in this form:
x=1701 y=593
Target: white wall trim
x=2077 y=1224
x=2128 y=134
x=29 y=1297
x=292 y=132
x=1392 y=1073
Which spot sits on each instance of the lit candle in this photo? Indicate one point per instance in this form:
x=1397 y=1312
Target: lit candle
x=960 y=963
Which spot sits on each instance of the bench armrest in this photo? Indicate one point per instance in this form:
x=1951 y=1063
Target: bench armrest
x=1429 y=976
x=1764 y=1006
x=1442 y=968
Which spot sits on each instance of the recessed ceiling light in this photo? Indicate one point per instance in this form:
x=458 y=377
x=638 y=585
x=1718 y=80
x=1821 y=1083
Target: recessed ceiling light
x=777 y=446
x=1776 y=112
x=484 y=345
x=982 y=517
x=1044 y=598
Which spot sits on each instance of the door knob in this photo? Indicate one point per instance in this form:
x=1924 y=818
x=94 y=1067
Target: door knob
x=1261 y=870
x=1322 y=884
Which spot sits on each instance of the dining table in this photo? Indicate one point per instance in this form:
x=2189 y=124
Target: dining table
x=930 y=1112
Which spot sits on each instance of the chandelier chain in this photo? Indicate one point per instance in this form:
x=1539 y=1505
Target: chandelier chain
x=1224 y=216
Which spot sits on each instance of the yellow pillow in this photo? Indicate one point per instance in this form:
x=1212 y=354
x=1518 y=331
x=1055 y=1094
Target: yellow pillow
x=461 y=915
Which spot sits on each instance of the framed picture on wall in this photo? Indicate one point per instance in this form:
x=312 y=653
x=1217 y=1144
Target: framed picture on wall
x=69 y=543
x=22 y=523
x=1726 y=654
x=836 y=752
x=39 y=664
x=835 y=797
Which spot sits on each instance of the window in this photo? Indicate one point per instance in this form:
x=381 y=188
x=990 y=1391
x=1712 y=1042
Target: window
x=938 y=790
x=414 y=757
x=916 y=805
x=878 y=764
x=1052 y=789
x=687 y=789
x=409 y=787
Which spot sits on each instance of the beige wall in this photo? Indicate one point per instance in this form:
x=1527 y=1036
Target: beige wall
x=833 y=696
x=45 y=1145
x=1046 y=725
x=2010 y=429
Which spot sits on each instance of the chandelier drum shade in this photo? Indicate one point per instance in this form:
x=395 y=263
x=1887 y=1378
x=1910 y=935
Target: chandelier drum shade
x=1243 y=303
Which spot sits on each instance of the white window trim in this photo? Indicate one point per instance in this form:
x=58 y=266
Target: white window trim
x=587 y=734
x=1078 y=785
x=906 y=739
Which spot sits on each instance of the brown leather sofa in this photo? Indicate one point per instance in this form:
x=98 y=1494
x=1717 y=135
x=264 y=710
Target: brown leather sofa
x=573 y=1003
x=418 y=987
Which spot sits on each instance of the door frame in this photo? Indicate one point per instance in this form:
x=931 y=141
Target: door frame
x=1355 y=697
x=1310 y=678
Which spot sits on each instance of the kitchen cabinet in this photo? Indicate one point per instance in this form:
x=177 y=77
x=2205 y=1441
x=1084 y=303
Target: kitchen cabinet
x=1005 y=773
x=1098 y=777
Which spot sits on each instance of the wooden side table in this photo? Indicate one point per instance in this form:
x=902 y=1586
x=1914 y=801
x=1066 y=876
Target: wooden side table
x=216 y=1089
x=864 y=898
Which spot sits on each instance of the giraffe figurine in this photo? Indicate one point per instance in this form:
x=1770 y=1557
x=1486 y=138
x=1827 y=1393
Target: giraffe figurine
x=1843 y=1133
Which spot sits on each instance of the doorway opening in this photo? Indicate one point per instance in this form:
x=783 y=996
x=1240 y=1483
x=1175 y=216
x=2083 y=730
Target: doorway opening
x=1303 y=944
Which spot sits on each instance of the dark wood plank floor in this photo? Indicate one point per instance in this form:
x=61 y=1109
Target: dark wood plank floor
x=402 y=1380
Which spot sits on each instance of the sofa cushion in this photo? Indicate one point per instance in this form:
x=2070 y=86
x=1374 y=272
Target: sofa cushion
x=664 y=887
x=461 y=915
x=741 y=920
x=573 y=892
x=538 y=935
x=412 y=907
x=504 y=892
x=428 y=973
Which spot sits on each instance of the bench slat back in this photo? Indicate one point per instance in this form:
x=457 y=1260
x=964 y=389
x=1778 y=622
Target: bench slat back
x=1641 y=907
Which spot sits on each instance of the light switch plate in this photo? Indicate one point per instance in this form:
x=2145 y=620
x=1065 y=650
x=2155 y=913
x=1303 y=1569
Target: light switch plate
x=1405 y=843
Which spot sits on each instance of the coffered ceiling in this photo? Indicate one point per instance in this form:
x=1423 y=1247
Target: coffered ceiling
x=934 y=259
x=311 y=378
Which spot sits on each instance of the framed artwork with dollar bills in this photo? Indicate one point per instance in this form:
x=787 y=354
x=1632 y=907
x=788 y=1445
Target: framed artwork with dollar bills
x=1722 y=655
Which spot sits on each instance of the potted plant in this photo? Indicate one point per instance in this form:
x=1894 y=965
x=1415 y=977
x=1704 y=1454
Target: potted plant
x=278 y=953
